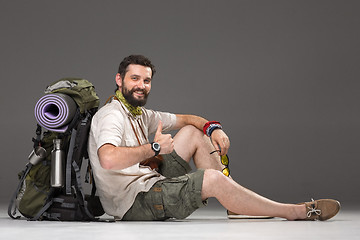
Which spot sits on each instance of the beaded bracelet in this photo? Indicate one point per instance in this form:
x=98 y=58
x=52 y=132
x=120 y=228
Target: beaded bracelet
x=210 y=126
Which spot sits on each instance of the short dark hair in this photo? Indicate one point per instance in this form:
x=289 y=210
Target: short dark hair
x=134 y=59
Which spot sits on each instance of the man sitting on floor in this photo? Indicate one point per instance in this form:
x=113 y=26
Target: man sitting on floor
x=141 y=180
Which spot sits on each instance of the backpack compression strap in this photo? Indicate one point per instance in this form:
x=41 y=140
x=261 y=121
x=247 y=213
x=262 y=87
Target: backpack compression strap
x=12 y=206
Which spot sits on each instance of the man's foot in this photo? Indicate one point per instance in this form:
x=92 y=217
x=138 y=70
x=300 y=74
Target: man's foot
x=322 y=209
x=232 y=215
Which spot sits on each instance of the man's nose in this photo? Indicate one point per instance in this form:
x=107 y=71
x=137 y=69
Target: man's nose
x=141 y=84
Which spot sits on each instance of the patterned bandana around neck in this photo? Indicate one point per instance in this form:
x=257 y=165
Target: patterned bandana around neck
x=134 y=110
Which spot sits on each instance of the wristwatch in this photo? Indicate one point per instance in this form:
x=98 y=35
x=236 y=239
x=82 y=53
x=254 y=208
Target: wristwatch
x=155 y=147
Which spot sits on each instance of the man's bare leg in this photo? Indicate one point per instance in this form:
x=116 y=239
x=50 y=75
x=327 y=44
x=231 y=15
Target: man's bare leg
x=191 y=143
x=238 y=199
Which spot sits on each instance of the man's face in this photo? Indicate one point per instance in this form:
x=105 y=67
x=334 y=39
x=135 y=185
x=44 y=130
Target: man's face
x=136 y=84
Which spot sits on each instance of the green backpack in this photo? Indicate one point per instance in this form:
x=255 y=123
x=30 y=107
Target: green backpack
x=35 y=197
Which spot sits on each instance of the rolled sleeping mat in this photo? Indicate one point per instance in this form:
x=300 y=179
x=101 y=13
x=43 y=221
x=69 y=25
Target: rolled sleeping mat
x=55 y=111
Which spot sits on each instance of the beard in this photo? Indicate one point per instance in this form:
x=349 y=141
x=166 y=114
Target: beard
x=128 y=95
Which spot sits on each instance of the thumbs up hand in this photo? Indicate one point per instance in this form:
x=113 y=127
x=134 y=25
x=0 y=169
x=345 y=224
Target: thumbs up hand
x=165 y=140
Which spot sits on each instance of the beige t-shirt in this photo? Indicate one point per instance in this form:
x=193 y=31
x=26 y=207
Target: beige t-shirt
x=117 y=189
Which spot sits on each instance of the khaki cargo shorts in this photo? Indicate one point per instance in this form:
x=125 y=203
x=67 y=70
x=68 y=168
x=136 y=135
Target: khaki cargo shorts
x=177 y=196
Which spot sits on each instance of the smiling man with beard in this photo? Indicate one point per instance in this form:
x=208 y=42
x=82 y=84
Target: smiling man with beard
x=141 y=180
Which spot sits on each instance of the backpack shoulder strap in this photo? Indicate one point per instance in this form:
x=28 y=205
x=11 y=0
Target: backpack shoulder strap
x=69 y=158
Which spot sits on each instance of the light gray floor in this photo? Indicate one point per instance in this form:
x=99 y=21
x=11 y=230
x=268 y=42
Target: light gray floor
x=207 y=223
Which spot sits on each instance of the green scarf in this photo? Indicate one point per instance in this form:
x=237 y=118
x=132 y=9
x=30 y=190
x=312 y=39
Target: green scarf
x=134 y=110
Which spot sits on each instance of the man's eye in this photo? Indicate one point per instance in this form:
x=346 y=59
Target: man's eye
x=147 y=81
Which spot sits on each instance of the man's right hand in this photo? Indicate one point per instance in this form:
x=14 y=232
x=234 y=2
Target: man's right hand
x=165 y=140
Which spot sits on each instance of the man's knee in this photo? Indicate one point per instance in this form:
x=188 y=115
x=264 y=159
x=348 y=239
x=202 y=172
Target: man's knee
x=213 y=180
x=213 y=176
x=192 y=131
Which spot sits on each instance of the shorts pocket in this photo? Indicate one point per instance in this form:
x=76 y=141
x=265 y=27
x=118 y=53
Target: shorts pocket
x=176 y=199
x=156 y=204
x=140 y=210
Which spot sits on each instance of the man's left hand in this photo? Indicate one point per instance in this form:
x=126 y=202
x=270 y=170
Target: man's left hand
x=220 y=141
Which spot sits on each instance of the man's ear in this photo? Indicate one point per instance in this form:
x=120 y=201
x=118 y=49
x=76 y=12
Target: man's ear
x=118 y=80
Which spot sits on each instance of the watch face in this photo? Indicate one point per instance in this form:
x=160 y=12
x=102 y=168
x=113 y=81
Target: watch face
x=156 y=146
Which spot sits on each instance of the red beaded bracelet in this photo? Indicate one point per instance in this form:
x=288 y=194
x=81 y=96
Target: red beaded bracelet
x=210 y=126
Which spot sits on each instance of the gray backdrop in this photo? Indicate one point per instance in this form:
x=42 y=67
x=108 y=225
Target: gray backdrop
x=281 y=76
